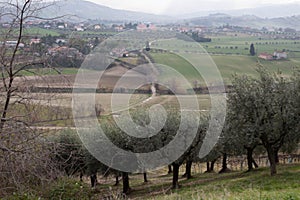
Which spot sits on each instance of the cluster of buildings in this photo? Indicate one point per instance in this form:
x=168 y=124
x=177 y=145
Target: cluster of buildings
x=12 y=43
x=277 y=55
x=59 y=46
x=66 y=52
x=85 y=26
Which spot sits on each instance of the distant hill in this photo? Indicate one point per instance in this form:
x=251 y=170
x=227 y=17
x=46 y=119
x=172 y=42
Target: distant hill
x=81 y=10
x=267 y=11
x=268 y=16
x=247 y=21
x=270 y=11
x=285 y=16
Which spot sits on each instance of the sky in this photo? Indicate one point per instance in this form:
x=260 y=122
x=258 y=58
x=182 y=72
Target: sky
x=177 y=7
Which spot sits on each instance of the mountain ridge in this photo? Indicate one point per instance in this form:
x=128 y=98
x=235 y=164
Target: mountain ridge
x=84 y=10
x=247 y=21
x=81 y=10
x=266 y=11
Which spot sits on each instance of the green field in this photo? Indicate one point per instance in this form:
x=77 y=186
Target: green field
x=179 y=64
x=239 y=185
x=50 y=71
x=40 y=32
x=228 y=65
x=239 y=45
x=230 y=186
x=33 y=31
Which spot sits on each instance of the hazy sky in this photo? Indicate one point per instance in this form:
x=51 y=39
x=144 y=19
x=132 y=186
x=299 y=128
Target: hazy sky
x=174 y=7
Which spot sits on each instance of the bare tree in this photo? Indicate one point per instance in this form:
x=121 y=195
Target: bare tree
x=24 y=151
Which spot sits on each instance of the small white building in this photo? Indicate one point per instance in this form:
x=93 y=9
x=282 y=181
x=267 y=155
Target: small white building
x=35 y=41
x=278 y=55
x=97 y=27
x=14 y=44
x=79 y=28
x=60 y=41
x=47 y=26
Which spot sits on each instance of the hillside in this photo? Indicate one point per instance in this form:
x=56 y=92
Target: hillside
x=285 y=16
x=235 y=185
x=220 y=19
x=81 y=10
x=269 y=11
x=266 y=11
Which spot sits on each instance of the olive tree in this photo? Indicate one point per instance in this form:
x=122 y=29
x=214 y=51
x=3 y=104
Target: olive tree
x=267 y=109
x=70 y=154
x=159 y=140
x=241 y=125
x=291 y=141
x=192 y=154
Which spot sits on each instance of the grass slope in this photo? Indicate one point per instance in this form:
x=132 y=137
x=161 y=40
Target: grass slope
x=238 y=185
x=227 y=65
x=178 y=64
x=50 y=71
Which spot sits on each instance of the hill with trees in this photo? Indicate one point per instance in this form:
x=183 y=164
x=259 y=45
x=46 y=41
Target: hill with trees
x=80 y=10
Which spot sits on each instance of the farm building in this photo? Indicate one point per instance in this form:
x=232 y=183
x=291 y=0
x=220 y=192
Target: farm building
x=35 y=41
x=278 y=55
x=266 y=56
x=97 y=27
x=65 y=51
x=143 y=27
x=13 y=44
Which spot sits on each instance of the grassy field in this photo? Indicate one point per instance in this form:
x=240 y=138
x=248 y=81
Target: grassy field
x=40 y=32
x=239 y=185
x=50 y=71
x=230 y=54
x=232 y=45
x=136 y=100
x=177 y=63
x=230 y=186
x=55 y=110
x=230 y=64
x=227 y=65
x=240 y=45
x=235 y=185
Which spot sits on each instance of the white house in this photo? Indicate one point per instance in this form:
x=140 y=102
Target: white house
x=79 y=28
x=35 y=41
x=47 y=26
x=14 y=44
x=278 y=55
x=57 y=41
x=97 y=27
